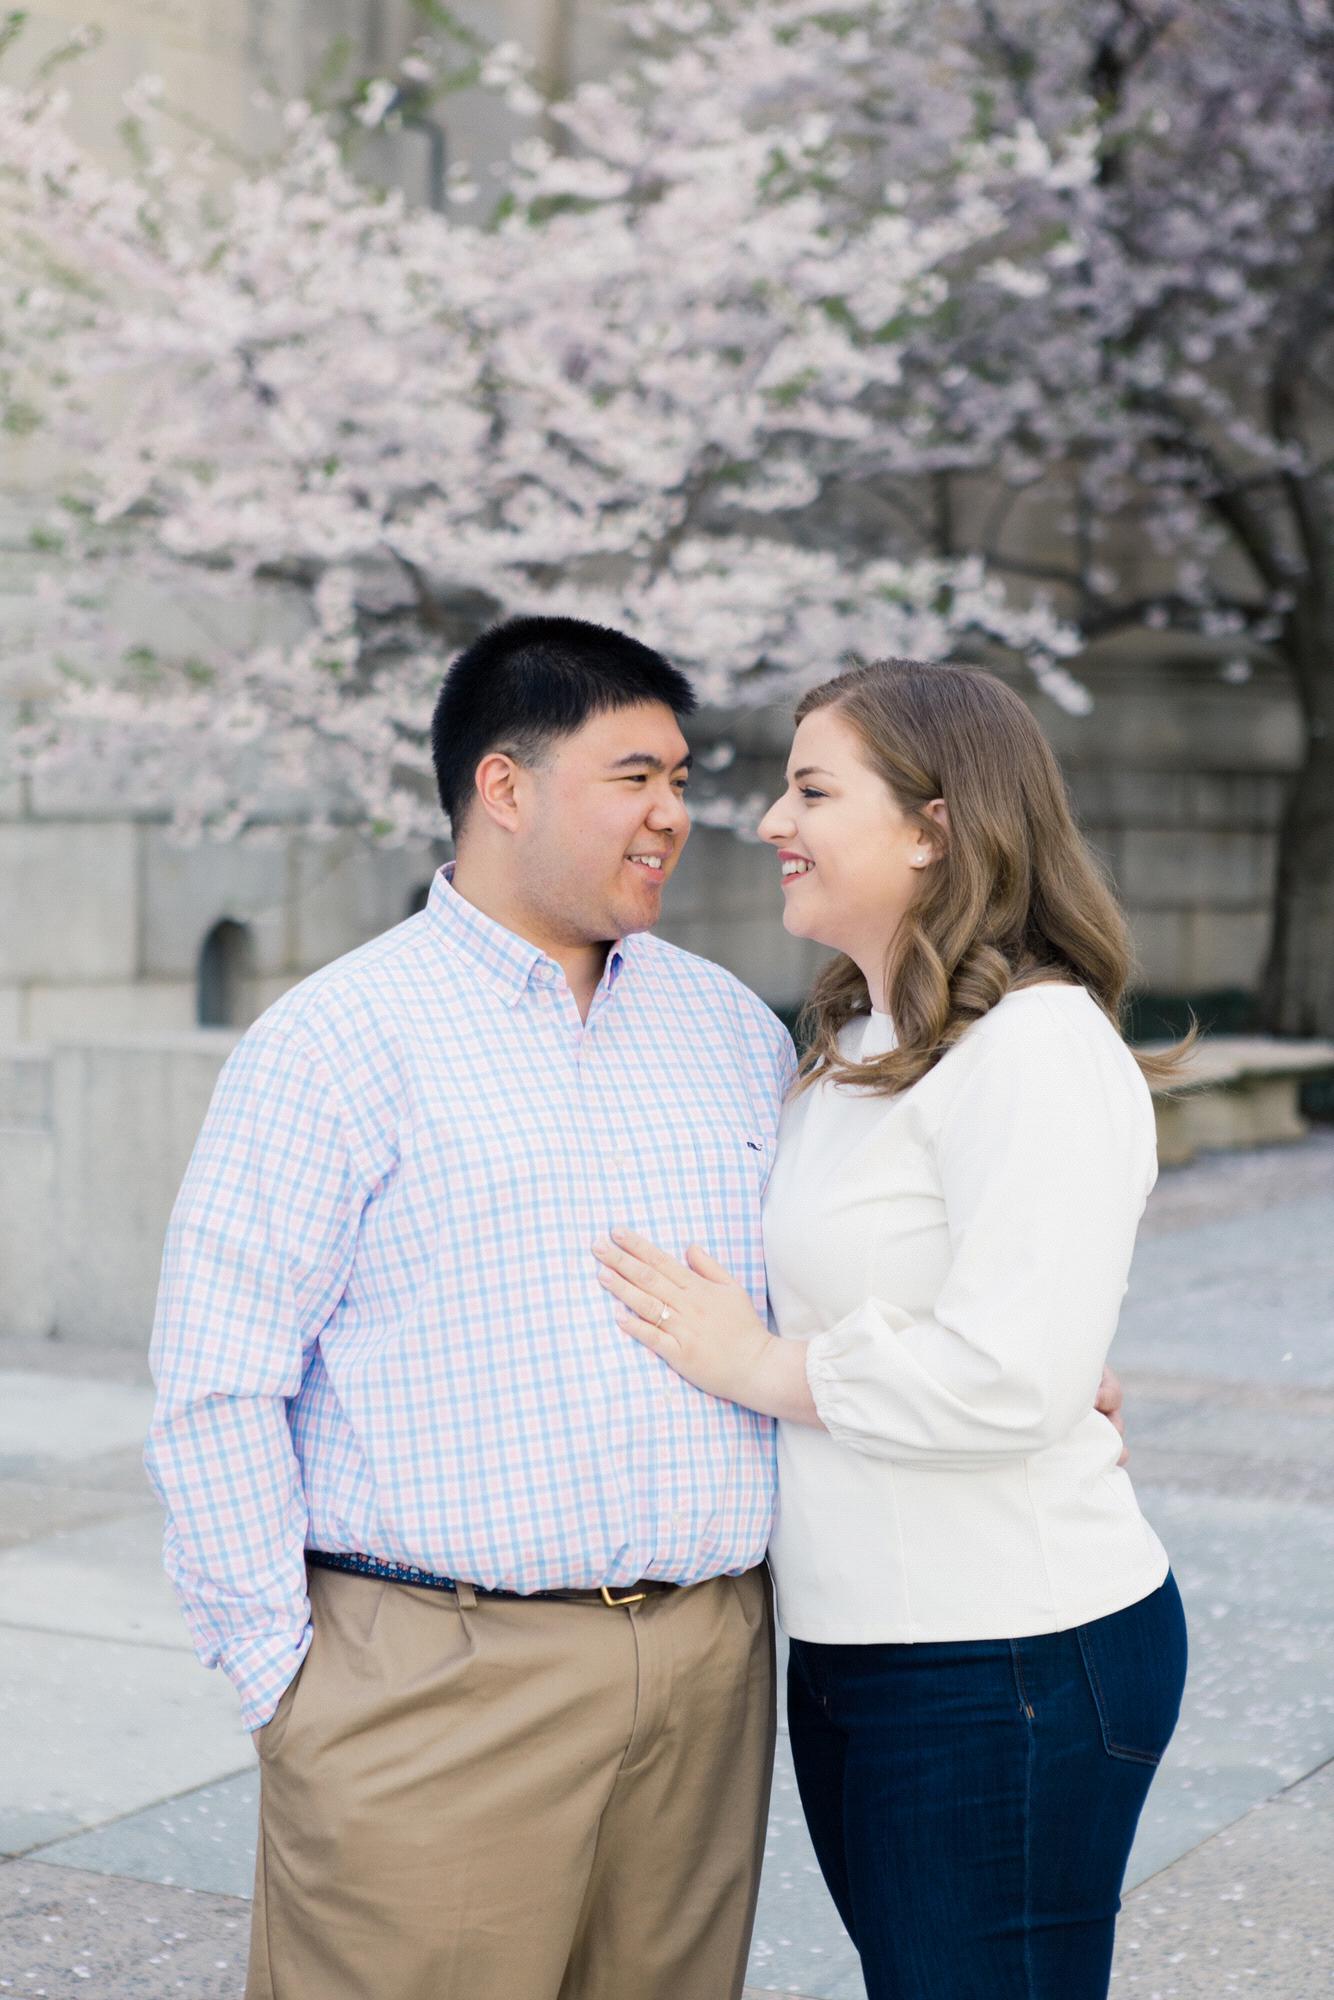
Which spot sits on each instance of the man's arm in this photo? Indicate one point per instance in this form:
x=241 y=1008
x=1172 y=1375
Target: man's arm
x=1110 y=1398
x=258 y=1253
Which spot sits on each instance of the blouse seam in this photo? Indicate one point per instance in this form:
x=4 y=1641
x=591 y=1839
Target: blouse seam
x=1035 y=1514
x=909 y=1613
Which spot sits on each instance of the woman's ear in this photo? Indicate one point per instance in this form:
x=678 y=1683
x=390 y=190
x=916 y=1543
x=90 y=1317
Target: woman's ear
x=934 y=844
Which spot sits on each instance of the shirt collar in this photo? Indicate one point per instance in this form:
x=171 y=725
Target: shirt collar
x=507 y=962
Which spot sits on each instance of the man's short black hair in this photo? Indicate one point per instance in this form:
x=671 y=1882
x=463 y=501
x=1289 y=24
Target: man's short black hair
x=529 y=680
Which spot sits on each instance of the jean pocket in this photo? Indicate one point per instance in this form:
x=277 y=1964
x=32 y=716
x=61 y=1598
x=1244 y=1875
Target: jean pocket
x=1135 y=1661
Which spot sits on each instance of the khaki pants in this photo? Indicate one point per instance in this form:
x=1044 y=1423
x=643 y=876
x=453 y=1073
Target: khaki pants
x=503 y=1800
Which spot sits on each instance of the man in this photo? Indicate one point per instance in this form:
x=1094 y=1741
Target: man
x=519 y=1747
x=487 y=1576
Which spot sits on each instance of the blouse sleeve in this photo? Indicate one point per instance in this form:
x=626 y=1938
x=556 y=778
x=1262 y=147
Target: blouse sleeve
x=1045 y=1155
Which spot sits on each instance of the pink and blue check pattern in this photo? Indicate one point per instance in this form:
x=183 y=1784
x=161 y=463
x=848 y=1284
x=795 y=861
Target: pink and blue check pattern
x=379 y=1328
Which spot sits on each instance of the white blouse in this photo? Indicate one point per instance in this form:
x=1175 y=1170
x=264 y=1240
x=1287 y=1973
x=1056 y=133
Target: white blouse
x=955 y=1257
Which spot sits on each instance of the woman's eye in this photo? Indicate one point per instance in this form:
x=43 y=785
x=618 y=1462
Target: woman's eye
x=808 y=792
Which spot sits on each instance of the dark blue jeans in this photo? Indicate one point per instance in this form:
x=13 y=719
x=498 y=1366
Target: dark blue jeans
x=972 y=1803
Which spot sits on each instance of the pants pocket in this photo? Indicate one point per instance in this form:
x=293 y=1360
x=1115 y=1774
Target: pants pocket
x=1135 y=1661
x=267 y=1736
x=751 y=1590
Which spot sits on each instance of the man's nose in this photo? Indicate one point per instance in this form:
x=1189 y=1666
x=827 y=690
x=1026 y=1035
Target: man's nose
x=668 y=815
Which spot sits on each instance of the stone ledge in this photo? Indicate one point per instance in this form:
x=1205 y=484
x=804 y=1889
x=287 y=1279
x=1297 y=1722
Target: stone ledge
x=1238 y=1090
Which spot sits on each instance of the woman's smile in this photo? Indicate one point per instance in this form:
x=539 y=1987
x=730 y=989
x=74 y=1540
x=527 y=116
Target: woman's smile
x=794 y=866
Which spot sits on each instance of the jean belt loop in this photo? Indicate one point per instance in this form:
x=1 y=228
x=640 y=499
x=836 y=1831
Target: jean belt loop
x=465 y=1596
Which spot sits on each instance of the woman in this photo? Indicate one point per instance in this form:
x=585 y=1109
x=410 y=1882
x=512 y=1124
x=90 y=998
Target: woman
x=988 y=1648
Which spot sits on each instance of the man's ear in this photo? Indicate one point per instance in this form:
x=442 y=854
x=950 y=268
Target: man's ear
x=496 y=779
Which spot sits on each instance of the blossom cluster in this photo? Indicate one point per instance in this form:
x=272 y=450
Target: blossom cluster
x=737 y=331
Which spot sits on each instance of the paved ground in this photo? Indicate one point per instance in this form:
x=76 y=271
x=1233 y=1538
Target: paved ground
x=127 y=1792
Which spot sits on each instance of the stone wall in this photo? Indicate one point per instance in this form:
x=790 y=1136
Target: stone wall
x=1178 y=778
x=94 y=1140
x=216 y=58
x=103 y=923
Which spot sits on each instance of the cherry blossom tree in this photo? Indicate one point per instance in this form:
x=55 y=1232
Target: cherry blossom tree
x=618 y=395
x=987 y=328
x=1144 y=379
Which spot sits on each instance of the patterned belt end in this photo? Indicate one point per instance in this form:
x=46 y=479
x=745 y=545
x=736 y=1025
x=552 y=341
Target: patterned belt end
x=388 y=1572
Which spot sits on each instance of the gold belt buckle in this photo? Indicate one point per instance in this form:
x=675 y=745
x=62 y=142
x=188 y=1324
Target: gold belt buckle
x=637 y=1597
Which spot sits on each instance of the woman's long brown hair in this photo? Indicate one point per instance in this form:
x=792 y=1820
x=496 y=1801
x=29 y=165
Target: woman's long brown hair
x=1015 y=896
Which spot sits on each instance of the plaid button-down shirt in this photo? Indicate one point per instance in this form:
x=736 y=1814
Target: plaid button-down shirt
x=379 y=1328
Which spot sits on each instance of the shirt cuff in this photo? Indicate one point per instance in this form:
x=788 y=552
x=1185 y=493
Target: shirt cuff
x=261 y=1669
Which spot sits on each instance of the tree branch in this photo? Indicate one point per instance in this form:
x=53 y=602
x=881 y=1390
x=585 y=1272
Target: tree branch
x=1224 y=497
x=1182 y=614
x=429 y=609
x=1309 y=320
x=891 y=502
x=1039 y=572
x=1016 y=60
x=944 y=513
